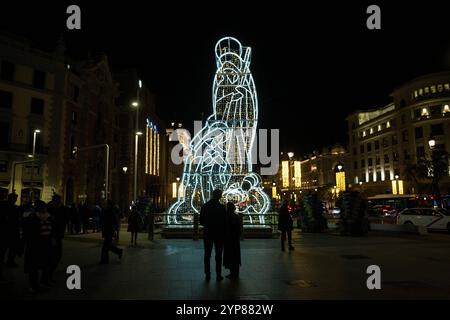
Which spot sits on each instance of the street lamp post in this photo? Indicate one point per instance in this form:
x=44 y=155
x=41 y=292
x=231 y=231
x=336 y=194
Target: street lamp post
x=35 y=132
x=136 y=147
x=138 y=133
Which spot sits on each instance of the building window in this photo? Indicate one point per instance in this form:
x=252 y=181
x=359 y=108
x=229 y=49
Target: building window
x=377 y=145
x=74 y=117
x=406 y=154
x=420 y=152
x=355 y=165
x=377 y=160
x=369 y=147
x=437 y=129
x=5 y=99
x=447 y=87
x=388 y=124
x=386 y=142
x=424 y=112
x=363 y=163
x=418 y=132
x=445 y=109
x=378 y=175
x=4 y=135
x=39 y=79
x=386 y=158
x=369 y=162
x=405 y=136
x=417 y=113
x=76 y=93
x=394 y=139
x=361 y=149
x=387 y=174
x=395 y=156
x=440 y=88
x=37 y=106
x=354 y=151
x=433 y=89
x=435 y=110
x=364 y=133
x=371 y=130
x=7 y=70
x=403 y=119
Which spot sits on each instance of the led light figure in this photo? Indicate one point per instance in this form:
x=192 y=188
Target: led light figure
x=219 y=156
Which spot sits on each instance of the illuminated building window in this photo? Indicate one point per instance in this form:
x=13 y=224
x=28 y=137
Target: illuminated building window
x=433 y=89
x=157 y=154
x=364 y=133
x=379 y=127
x=297 y=174
x=388 y=124
x=420 y=92
x=174 y=189
x=340 y=181
x=285 y=173
x=447 y=87
x=400 y=186
x=426 y=90
x=394 y=187
x=424 y=112
x=445 y=109
x=371 y=130
x=440 y=88
x=415 y=93
x=274 y=192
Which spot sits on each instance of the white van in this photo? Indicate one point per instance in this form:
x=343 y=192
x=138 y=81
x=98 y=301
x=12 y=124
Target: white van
x=431 y=218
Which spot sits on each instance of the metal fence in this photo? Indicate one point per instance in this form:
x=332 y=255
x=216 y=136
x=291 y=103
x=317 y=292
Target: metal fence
x=189 y=222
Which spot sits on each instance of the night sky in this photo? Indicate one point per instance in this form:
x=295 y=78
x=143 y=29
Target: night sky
x=312 y=65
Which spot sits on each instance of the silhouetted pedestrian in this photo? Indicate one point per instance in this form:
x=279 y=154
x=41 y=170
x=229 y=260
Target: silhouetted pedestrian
x=285 y=225
x=10 y=233
x=37 y=231
x=108 y=231
x=232 y=245
x=134 y=224
x=212 y=218
x=58 y=212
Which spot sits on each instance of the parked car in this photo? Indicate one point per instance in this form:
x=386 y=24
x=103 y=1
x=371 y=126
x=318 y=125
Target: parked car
x=432 y=218
x=383 y=211
x=335 y=212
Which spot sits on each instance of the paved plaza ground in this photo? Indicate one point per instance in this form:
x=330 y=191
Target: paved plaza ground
x=323 y=266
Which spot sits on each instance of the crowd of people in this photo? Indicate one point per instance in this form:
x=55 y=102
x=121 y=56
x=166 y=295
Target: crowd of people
x=36 y=231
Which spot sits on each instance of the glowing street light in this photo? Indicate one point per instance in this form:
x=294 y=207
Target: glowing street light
x=35 y=132
x=432 y=142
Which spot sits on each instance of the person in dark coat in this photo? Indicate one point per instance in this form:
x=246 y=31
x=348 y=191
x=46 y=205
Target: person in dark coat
x=134 y=224
x=38 y=236
x=232 y=245
x=59 y=214
x=212 y=218
x=10 y=233
x=108 y=231
x=285 y=225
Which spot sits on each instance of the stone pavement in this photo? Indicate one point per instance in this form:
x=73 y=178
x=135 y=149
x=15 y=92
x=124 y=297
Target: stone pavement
x=323 y=266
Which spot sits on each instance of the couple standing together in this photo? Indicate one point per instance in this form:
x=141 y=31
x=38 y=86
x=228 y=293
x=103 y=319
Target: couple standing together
x=221 y=230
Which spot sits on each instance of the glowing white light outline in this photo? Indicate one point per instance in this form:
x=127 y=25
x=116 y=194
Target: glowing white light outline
x=232 y=124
